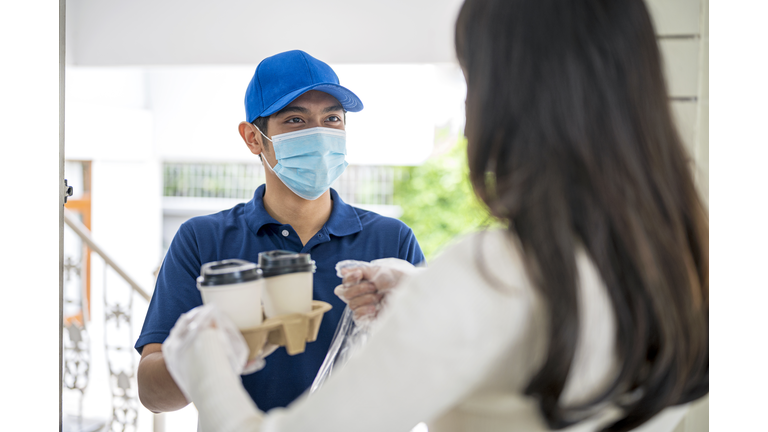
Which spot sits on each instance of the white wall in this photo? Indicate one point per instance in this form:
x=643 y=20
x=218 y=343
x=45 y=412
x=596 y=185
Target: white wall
x=180 y=32
x=31 y=205
x=108 y=123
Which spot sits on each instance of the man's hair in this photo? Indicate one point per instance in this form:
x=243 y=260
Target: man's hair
x=261 y=123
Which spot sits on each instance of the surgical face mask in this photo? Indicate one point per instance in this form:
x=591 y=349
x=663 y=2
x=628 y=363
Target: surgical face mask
x=309 y=160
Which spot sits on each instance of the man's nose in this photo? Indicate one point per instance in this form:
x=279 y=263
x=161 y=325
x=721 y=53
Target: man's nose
x=317 y=122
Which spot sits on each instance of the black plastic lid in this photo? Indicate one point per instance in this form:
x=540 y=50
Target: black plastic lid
x=280 y=262
x=228 y=272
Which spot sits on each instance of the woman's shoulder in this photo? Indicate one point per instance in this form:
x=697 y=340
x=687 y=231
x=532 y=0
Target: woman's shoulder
x=494 y=256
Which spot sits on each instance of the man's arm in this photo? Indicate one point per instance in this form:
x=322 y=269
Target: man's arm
x=158 y=391
x=175 y=293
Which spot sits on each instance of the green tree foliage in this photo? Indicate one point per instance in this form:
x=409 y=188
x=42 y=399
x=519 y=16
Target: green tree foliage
x=438 y=202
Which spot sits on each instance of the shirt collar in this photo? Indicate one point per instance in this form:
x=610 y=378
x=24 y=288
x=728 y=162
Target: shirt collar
x=256 y=215
x=343 y=220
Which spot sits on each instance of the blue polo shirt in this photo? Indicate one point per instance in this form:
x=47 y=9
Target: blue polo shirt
x=247 y=229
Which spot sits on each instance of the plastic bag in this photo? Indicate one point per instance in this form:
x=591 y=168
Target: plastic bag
x=348 y=336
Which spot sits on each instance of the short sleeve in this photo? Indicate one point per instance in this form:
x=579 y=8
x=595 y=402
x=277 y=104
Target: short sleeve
x=410 y=249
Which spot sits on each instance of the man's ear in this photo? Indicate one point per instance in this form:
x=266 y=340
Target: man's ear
x=252 y=137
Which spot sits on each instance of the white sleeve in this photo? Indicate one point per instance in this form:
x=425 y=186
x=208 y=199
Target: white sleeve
x=223 y=404
x=439 y=338
x=443 y=332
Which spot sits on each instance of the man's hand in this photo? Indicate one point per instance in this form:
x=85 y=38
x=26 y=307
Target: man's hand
x=365 y=285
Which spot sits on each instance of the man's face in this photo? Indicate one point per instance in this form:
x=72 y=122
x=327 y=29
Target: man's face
x=312 y=109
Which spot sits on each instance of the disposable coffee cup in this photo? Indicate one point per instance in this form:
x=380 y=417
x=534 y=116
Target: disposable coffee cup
x=288 y=277
x=235 y=286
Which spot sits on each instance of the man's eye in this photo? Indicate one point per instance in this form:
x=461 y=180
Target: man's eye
x=334 y=118
x=294 y=120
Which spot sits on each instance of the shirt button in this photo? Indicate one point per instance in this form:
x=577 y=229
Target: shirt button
x=285 y=233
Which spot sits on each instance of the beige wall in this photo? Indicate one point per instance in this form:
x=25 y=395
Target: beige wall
x=683 y=30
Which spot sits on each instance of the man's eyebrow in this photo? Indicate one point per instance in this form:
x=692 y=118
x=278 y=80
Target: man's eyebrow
x=301 y=109
x=333 y=108
x=290 y=109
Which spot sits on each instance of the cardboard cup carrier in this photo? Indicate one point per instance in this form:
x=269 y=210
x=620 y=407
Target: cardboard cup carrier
x=235 y=286
x=288 y=282
x=239 y=288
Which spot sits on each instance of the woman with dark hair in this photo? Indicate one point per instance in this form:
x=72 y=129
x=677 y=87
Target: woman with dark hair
x=591 y=309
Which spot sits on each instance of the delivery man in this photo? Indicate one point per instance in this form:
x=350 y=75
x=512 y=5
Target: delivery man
x=295 y=122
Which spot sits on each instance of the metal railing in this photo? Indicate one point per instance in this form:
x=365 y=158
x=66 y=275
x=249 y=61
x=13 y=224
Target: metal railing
x=118 y=344
x=359 y=184
x=85 y=236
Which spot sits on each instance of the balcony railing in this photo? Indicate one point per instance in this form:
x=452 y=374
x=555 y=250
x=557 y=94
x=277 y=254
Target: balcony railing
x=116 y=326
x=359 y=184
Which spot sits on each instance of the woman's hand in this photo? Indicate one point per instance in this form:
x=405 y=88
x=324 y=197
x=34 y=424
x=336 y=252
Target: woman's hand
x=365 y=285
x=197 y=333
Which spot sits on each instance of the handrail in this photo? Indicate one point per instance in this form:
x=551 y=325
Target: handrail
x=85 y=235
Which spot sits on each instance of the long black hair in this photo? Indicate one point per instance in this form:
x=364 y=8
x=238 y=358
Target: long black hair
x=570 y=139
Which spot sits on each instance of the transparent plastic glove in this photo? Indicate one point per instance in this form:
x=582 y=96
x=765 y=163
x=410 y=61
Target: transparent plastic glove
x=364 y=286
x=185 y=343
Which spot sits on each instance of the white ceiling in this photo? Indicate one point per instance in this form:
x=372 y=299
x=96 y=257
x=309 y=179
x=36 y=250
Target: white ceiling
x=196 y=32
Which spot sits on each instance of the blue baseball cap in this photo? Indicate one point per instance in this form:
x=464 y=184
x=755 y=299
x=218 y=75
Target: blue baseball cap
x=280 y=79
